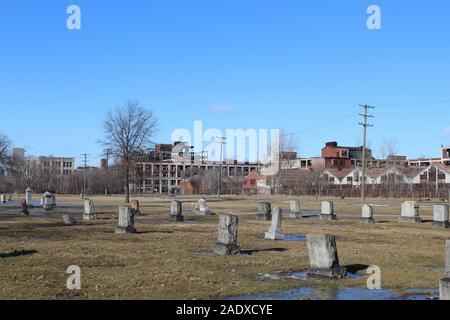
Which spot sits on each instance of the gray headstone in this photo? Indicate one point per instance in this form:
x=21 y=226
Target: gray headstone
x=89 y=213
x=29 y=196
x=440 y=216
x=410 y=212
x=176 y=210
x=367 y=214
x=3 y=198
x=447 y=258
x=327 y=211
x=126 y=220
x=227 y=238
x=323 y=256
x=294 y=209
x=69 y=219
x=274 y=232
x=264 y=211
x=202 y=208
x=444 y=289
x=48 y=201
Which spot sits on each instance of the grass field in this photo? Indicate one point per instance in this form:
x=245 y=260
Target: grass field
x=172 y=260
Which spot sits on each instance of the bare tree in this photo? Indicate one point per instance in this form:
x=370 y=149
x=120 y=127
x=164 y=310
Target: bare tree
x=388 y=147
x=128 y=130
x=5 y=145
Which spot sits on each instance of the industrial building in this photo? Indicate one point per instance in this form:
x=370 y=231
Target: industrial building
x=169 y=168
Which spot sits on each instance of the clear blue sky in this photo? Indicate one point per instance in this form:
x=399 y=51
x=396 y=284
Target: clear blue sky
x=297 y=65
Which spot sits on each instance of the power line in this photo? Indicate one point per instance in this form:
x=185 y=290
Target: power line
x=413 y=103
x=325 y=124
x=365 y=125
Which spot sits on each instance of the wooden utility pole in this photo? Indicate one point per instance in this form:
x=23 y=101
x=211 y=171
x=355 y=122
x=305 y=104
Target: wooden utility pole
x=365 y=125
x=85 y=155
x=107 y=154
x=221 y=141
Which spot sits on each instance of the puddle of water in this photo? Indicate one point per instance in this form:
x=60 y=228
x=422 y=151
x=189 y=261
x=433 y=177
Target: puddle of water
x=343 y=293
x=302 y=275
x=37 y=204
x=296 y=275
x=295 y=238
x=356 y=275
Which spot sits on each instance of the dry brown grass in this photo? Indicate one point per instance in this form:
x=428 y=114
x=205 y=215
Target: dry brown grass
x=163 y=260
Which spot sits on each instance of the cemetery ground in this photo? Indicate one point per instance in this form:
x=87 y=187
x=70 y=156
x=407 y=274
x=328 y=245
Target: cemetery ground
x=173 y=260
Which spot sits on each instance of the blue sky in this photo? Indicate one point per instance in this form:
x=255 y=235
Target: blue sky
x=303 y=66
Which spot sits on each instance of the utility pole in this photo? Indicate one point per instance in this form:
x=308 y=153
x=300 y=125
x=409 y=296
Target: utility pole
x=107 y=154
x=221 y=141
x=85 y=155
x=365 y=125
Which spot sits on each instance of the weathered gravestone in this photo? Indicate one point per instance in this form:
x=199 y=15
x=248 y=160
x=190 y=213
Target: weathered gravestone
x=264 y=211
x=323 y=257
x=294 y=209
x=367 y=214
x=24 y=208
x=274 y=232
x=228 y=232
x=3 y=198
x=135 y=205
x=447 y=258
x=444 y=283
x=202 y=208
x=69 y=219
x=176 y=210
x=444 y=289
x=126 y=220
x=410 y=212
x=327 y=211
x=48 y=201
x=440 y=216
x=89 y=213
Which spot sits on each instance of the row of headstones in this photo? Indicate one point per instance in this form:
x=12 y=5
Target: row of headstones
x=326 y=213
x=5 y=198
x=409 y=212
x=89 y=212
x=176 y=210
x=127 y=214
x=48 y=202
x=322 y=251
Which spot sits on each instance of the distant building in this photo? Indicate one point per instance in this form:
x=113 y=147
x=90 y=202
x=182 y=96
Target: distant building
x=170 y=169
x=58 y=165
x=250 y=185
x=424 y=162
x=18 y=154
x=340 y=157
